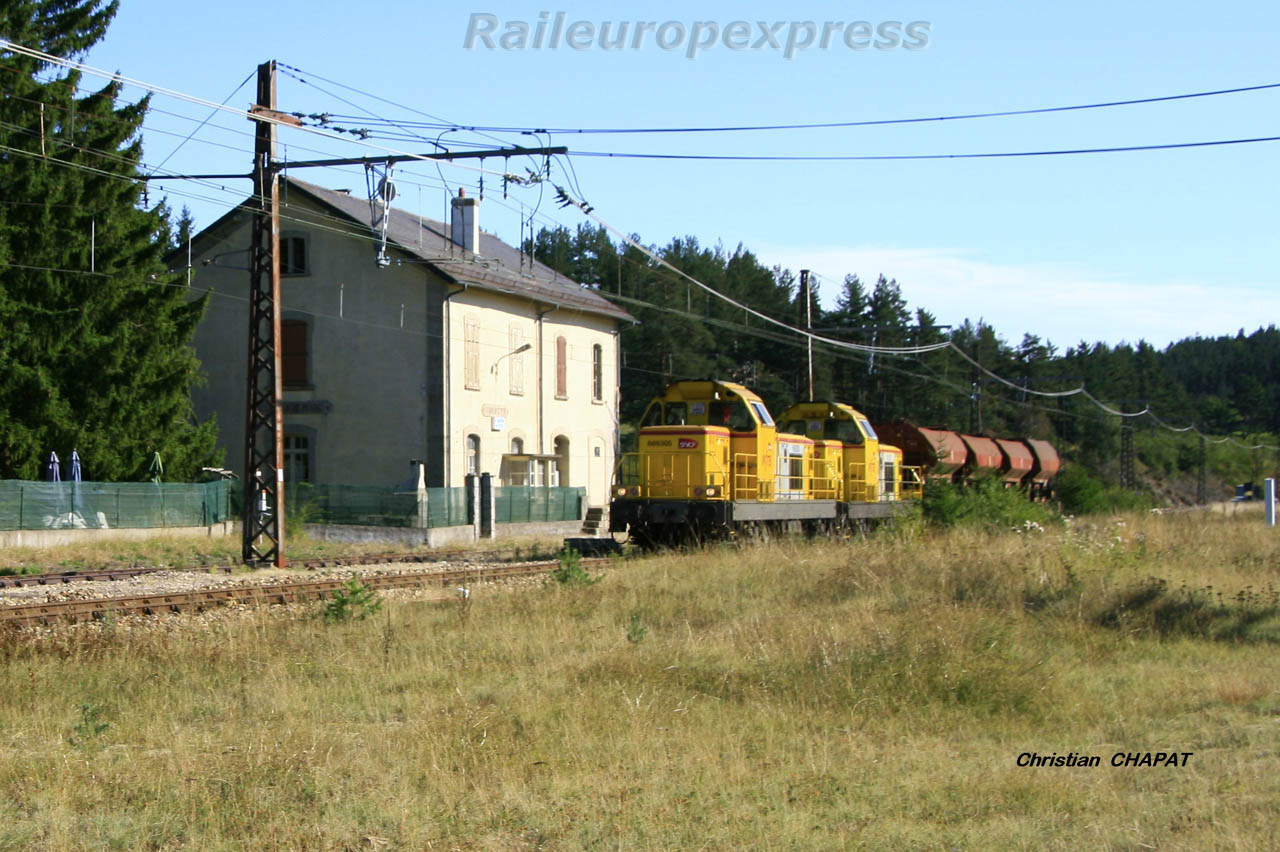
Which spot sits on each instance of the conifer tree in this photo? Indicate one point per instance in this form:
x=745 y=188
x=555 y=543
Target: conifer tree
x=96 y=352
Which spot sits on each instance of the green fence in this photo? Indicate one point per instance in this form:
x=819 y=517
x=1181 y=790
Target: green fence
x=361 y=505
x=522 y=504
x=373 y=506
x=446 y=507
x=110 y=505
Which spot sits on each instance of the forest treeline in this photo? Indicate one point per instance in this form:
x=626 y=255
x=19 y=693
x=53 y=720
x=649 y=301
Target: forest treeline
x=1224 y=386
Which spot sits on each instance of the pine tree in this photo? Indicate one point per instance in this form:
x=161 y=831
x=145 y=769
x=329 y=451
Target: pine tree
x=96 y=353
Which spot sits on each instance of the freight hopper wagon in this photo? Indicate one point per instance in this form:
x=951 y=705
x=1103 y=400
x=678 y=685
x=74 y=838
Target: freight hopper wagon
x=711 y=462
x=950 y=456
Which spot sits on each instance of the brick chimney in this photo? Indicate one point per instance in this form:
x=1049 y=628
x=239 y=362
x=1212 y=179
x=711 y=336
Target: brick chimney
x=465 y=227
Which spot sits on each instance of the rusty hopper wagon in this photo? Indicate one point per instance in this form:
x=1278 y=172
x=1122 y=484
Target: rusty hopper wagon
x=938 y=453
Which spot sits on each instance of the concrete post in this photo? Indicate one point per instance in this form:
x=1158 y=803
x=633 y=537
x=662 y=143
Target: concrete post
x=1270 y=491
x=488 y=507
x=420 y=479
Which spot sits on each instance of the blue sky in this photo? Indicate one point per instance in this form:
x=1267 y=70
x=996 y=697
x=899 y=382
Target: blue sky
x=1155 y=245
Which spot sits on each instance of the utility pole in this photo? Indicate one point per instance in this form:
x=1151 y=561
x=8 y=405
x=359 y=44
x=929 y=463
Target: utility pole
x=808 y=323
x=263 y=520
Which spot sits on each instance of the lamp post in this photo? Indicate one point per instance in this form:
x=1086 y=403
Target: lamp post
x=522 y=348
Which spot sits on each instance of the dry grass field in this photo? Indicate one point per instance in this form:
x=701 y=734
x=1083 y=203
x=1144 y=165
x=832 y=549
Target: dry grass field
x=874 y=694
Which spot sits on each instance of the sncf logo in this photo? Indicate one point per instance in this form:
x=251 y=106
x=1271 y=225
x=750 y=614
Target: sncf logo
x=688 y=444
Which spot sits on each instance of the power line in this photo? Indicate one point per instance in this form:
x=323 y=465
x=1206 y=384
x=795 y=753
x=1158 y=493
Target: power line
x=883 y=157
x=839 y=124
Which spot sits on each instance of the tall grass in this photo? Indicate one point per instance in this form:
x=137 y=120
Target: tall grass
x=798 y=696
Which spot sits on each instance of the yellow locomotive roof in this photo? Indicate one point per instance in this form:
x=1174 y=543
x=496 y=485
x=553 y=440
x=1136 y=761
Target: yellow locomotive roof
x=821 y=410
x=708 y=389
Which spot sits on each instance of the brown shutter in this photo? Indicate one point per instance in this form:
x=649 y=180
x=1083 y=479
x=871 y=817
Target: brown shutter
x=293 y=352
x=562 y=368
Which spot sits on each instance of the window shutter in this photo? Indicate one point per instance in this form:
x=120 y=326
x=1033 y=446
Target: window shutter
x=562 y=368
x=471 y=353
x=293 y=352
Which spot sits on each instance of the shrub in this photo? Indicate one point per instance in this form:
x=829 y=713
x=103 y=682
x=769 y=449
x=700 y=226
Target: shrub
x=570 y=571
x=985 y=502
x=1082 y=493
x=354 y=600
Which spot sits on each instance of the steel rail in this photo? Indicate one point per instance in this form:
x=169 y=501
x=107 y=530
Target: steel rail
x=51 y=578
x=261 y=594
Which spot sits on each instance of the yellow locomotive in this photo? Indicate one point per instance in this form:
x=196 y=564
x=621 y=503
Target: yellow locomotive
x=711 y=461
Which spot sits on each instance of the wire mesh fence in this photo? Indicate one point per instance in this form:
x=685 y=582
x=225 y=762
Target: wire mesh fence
x=359 y=505
x=143 y=505
x=523 y=504
x=447 y=507
x=111 y=505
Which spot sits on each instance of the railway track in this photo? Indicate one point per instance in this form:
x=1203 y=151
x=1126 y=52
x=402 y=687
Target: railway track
x=262 y=594
x=55 y=578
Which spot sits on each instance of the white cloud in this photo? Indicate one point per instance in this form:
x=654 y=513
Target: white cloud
x=1064 y=304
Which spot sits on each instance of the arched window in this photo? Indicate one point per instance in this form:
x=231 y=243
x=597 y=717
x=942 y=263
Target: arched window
x=562 y=462
x=517 y=446
x=473 y=454
x=597 y=373
x=562 y=368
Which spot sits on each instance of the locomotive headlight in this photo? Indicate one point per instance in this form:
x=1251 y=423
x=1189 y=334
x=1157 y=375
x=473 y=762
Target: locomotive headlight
x=712 y=491
x=620 y=491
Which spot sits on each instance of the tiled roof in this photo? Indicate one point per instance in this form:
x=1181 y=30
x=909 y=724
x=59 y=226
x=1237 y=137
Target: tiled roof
x=496 y=266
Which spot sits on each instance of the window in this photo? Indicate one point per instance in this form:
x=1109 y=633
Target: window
x=518 y=470
x=560 y=475
x=471 y=353
x=297 y=457
x=293 y=255
x=293 y=353
x=515 y=335
x=562 y=368
x=597 y=373
x=473 y=454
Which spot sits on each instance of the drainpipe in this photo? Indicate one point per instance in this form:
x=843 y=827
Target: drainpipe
x=617 y=402
x=446 y=397
x=541 y=445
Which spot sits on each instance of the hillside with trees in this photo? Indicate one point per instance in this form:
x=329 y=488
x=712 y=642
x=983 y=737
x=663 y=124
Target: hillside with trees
x=1227 y=386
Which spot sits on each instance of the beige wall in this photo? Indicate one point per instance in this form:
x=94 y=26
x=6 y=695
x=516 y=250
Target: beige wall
x=589 y=425
x=383 y=380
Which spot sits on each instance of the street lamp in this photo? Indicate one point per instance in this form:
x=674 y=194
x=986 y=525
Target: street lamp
x=524 y=348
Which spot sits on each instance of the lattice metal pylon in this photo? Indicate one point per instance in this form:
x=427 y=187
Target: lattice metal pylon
x=1128 y=477
x=1201 y=489
x=263 y=520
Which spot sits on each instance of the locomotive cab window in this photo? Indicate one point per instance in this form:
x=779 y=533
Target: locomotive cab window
x=732 y=414
x=762 y=413
x=844 y=430
x=870 y=433
x=677 y=414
